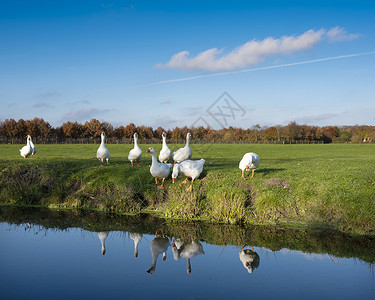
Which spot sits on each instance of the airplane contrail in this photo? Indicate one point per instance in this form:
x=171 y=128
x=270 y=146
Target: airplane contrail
x=254 y=69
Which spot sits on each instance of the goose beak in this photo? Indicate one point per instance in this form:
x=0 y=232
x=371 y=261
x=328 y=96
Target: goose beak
x=247 y=167
x=247 y=264
x=148 y=150
x=173 y=180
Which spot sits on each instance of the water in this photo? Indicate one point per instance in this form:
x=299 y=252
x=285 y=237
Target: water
x=42 y=261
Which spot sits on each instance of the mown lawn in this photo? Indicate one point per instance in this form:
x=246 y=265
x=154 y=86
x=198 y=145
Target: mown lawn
x=329 y=185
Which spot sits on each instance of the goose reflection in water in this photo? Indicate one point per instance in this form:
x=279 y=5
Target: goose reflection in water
x=102 y=236
x=159 y=245
x=250 y=259
x=136 y=237
x=186 y=250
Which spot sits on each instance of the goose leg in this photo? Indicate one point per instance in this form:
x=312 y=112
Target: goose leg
x=132 y=164
x=243 y=174
x=162 y=183
x=252 y=174
x=186 y=180
x=156 y=180
x=191 y=186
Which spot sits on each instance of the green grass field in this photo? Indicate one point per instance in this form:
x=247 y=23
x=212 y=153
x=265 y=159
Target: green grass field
x=323 y=185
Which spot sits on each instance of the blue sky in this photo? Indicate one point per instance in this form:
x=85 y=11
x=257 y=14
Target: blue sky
x=165 y=63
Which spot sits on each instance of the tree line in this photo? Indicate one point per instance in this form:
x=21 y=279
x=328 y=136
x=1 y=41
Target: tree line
x=12 y=131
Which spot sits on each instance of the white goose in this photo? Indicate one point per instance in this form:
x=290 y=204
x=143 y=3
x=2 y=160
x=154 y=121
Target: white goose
x=176 y=246
x=250 y=161
x=136 y=153
x=26 y=150
x=158 y=170
x=165 y=153
x=157 y=246
x=250 y=259
x=102 y=236
x=136 y=237
x=188 y=168
x=183 y=153
x=32 y=146
x=103 y=154
x=187 y=251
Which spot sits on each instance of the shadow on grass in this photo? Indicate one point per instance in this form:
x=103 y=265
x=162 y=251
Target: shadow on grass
x=267 y=171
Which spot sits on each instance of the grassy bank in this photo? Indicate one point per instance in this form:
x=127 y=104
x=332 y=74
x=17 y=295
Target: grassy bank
x=320 y=185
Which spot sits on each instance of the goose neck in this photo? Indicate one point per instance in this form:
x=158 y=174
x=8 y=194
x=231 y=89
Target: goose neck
x=154 y=160
x=188 y=266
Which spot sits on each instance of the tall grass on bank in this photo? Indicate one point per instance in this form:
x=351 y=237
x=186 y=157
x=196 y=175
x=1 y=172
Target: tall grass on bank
x=330 y=185
x=183 y=203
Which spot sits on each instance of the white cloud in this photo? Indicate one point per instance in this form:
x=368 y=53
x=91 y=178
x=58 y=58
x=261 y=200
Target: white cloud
x=166 y=122
x=75 y=103
x=338 y=34
x=253 y=52
x=166 y=101
x=48 y=95
x=82 y=114
x=41 y=104
x=193 y=110
x=312 y=120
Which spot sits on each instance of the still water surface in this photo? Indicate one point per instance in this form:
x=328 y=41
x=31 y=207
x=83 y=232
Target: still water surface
x=41 y=263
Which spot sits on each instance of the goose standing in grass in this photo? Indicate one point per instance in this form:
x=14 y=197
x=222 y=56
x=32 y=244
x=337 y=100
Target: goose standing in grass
x=32 y=146
x=165 y=153
x=188 y=168
x=187 y=251
x=26 y=150
x=102 y=236
x=158 y=170
x=136 y=237
x=157 y=246
x=103 y=154
x=183 y=153
x=250 y=161
x=135 y=154
x=250 y=259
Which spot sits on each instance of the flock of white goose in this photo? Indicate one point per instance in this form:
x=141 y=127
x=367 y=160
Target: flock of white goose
x=181 y=248
x=160 y=169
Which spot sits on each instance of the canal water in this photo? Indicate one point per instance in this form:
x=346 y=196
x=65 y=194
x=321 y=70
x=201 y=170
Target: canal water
x=84 y=255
